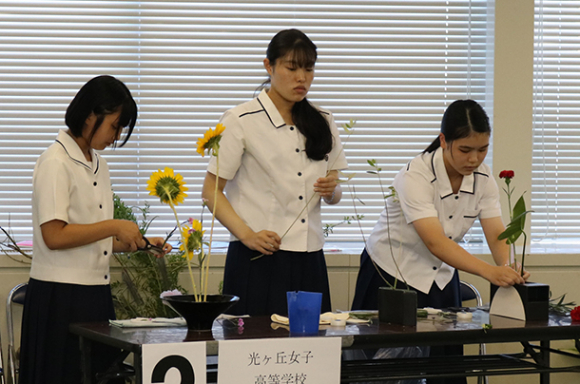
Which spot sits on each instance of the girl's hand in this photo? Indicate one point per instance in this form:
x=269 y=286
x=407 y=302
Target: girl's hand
x=518 y=268
x=159 y=242
x=503 y=276
x=266 y=242
x=128 y=233
x=325 y=185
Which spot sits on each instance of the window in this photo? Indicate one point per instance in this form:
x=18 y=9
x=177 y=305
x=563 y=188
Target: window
x=555 y=187
x=393 y=66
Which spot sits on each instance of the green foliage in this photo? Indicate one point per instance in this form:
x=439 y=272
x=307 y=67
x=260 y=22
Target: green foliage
x=329 y=228
x=144 y=277
x=517 y=226
x=560 y=307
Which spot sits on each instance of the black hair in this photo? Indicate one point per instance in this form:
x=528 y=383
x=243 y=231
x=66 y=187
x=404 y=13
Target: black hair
x=461 y=119
x=309 y=120
x=102 y=95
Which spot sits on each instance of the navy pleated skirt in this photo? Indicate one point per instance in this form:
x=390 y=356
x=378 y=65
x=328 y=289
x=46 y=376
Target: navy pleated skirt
x=366 y=296
x=262 y=284
x=49 y=352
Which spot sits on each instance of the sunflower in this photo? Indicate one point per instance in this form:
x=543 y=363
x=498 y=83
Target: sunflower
x=169 y=187
x=193 y=237
x=210 y=140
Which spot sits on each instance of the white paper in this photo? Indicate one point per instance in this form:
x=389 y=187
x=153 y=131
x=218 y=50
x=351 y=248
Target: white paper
x=299 y=360
x=174 y=363
x=508 y=303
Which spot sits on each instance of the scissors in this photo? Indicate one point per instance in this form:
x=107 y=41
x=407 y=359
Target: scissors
x=155 y=249
x=152 y=249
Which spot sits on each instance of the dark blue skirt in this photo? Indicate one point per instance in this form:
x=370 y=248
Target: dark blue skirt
x=366 y=295
x=48 y=351
x=262 y=284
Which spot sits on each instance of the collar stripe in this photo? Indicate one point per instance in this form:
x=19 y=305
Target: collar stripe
x=72 y=158
x=267 y=114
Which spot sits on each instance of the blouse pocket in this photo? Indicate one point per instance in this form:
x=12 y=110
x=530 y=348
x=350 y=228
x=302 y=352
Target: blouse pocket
x=469 y=216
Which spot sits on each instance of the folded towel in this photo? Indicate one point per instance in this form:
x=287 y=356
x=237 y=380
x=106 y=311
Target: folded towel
x=325 y=318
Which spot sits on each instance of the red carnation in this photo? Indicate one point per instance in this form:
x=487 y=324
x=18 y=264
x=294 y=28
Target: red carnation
x=575 y=313
x=506 y=175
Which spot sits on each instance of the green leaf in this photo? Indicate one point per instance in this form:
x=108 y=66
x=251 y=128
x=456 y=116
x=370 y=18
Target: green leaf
x=520 y=207
x=512 y=232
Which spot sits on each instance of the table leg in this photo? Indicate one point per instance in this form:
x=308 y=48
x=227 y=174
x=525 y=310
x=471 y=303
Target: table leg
x=545 y=353
x=138 y=365
x=86 y=369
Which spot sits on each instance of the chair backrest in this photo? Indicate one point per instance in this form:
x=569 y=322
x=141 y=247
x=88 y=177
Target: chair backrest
x=2 y=370
x=16 y=296
x=469 y=292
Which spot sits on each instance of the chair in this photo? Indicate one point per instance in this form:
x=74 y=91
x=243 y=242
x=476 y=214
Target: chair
x=469 y=292
x=16 y=296
x=2 y=372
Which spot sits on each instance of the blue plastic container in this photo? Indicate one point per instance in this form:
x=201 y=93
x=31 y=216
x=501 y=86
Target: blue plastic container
x=304 y=312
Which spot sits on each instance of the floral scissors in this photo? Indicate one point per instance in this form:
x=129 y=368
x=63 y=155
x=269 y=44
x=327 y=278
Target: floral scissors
x=156 y=250
x=152 y=249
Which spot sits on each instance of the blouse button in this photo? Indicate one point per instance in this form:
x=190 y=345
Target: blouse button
x=291 y=128
x=106 y=277
x=451 y=217
x=297 y=150
x=303 y=220
x=95 y=183
x=456 y=197
x=434 y=268
x=450 y=237
x=300 y=197
x=105 y=253
x=299 y=173
x=100 y=206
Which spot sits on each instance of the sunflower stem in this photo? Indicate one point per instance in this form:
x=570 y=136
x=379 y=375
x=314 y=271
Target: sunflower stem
x=184 y=242
x=206 y=264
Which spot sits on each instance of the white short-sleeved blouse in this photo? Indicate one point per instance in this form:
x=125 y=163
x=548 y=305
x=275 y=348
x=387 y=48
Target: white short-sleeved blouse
x=270 y=178
x=424 y=190
x=67 y=187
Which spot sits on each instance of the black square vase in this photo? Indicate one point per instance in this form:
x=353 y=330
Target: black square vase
x=535 y=297
x=397 y=306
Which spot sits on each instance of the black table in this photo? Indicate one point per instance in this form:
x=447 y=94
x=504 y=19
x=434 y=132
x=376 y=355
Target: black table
x=535 y=359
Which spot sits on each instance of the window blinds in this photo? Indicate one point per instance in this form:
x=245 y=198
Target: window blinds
x=555 y=185
x=393 y=66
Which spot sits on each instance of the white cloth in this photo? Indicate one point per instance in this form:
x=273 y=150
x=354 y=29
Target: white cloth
x=424 y=190
x=140 y=322
x=67 y=187
x=270 y=178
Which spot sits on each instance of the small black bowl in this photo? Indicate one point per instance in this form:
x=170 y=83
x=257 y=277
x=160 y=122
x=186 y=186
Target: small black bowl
x=200 y=315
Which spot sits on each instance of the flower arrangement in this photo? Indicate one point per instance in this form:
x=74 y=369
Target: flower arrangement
x=516 y=227
x=391 y=194
x=143 y=275
x=170 y=188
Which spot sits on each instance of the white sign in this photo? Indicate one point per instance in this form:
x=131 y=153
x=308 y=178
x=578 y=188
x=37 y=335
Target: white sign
x=301 y=360
x=175 y=363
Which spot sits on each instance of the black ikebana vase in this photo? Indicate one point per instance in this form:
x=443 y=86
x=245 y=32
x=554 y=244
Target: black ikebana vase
x=199 y=315
x=397 y=306
x=535 y=298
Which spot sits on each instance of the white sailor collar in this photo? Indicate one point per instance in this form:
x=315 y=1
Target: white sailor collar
x=442 y=179
x=275 y=117
x=75 y=153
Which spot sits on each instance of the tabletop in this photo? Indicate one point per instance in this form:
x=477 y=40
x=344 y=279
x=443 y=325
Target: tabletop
x=483 y=328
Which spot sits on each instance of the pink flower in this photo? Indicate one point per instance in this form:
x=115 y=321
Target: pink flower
x=175 y=292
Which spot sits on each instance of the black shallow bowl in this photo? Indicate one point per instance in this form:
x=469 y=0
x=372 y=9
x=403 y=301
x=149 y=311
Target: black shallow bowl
x=200 y=315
